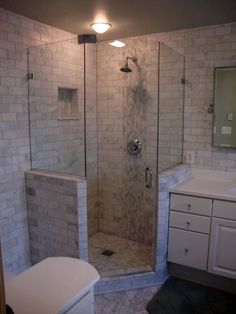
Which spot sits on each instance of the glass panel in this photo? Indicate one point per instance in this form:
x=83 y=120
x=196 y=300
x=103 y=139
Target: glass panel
x=56 y=106
x=139 y=122
x=127 y=114
x=171 y=108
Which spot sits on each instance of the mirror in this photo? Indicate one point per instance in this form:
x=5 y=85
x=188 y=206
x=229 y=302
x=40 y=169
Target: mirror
x=224 y=124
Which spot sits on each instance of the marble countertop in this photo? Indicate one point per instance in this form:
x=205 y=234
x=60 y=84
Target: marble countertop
x=51 y=286
x=209 y=183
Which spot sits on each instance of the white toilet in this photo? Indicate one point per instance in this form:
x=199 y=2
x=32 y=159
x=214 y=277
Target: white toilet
x=57 y=285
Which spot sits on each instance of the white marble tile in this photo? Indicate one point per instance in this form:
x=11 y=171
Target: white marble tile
x=130 y=302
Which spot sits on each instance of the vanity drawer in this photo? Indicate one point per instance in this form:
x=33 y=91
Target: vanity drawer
x=190 y=222
x=188 y=248
x=224 y=209
x=190 y=204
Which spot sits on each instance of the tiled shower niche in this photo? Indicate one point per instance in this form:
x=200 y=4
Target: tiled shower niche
x=68 y=103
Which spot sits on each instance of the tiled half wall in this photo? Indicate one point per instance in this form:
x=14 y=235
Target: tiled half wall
x=57 y=213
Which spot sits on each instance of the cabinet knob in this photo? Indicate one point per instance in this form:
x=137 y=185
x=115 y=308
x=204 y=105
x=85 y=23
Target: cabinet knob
x=188 y=223
x=186 y=251
x=189 y=206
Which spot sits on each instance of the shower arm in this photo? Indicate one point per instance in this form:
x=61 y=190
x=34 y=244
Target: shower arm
x=134 y=59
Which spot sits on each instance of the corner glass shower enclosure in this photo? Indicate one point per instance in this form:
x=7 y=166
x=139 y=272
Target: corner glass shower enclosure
x=114 y=116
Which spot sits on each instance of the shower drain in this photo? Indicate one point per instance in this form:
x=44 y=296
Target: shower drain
x=108 y=253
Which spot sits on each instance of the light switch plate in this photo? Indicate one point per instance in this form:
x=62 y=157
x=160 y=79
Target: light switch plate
x=230 y=116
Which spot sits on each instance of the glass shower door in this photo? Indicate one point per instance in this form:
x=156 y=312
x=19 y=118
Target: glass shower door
x=127 y=157
x=171 y=107
x=127 y=141
x=140 y=117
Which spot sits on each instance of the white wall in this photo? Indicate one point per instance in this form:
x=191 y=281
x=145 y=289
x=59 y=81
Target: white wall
x=204 y=48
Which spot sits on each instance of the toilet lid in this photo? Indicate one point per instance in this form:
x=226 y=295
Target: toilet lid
x=51 y=286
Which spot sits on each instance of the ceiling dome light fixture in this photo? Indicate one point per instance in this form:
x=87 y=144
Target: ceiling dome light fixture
x=117 y=43
x=100 y=27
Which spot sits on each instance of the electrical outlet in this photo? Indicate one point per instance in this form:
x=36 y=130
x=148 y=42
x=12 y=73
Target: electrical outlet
x=190 y=157
x=226 y=130
x=230 y=116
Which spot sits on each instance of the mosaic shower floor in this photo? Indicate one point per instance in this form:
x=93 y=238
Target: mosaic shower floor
x=129 y=256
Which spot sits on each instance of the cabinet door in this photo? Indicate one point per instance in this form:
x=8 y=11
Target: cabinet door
x=188 y=248
x=222 y=257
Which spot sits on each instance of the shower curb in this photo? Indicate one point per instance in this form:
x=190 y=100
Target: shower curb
x=130 y=282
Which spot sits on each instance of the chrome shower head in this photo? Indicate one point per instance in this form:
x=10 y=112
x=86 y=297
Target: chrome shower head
x=126 y=68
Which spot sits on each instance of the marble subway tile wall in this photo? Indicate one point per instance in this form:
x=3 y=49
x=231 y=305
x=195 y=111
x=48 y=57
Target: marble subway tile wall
x=127 y=109
x=57 y=213
x=204 y=48
x=16 y=34
x=57 y=142
x=57 y=125
x=109 y=99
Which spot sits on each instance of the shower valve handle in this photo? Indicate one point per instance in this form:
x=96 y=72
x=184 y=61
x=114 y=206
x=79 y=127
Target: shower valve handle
x=134 y=147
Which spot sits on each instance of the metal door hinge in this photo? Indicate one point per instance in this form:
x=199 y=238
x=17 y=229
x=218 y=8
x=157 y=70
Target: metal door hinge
x=30 y=76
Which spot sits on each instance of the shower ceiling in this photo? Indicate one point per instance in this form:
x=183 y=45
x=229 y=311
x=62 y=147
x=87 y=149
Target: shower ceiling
x=128 y=17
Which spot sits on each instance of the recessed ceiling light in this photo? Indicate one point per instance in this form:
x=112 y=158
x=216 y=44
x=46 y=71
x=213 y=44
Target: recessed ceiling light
x=117 y=43
x=100 y=27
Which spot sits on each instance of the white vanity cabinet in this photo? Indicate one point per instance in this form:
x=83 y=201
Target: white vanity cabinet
x=189 y=230
x=202 y=234
x=222 y=253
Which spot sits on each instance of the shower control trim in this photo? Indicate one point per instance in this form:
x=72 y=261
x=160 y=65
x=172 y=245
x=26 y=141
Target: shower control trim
x=148 y=178
x=134 y=147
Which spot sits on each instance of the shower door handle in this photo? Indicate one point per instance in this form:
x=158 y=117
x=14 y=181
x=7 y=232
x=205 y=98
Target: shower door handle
x=148 y=178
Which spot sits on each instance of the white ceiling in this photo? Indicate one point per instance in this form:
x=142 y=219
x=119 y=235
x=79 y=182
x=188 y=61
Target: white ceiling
x=128 y=17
